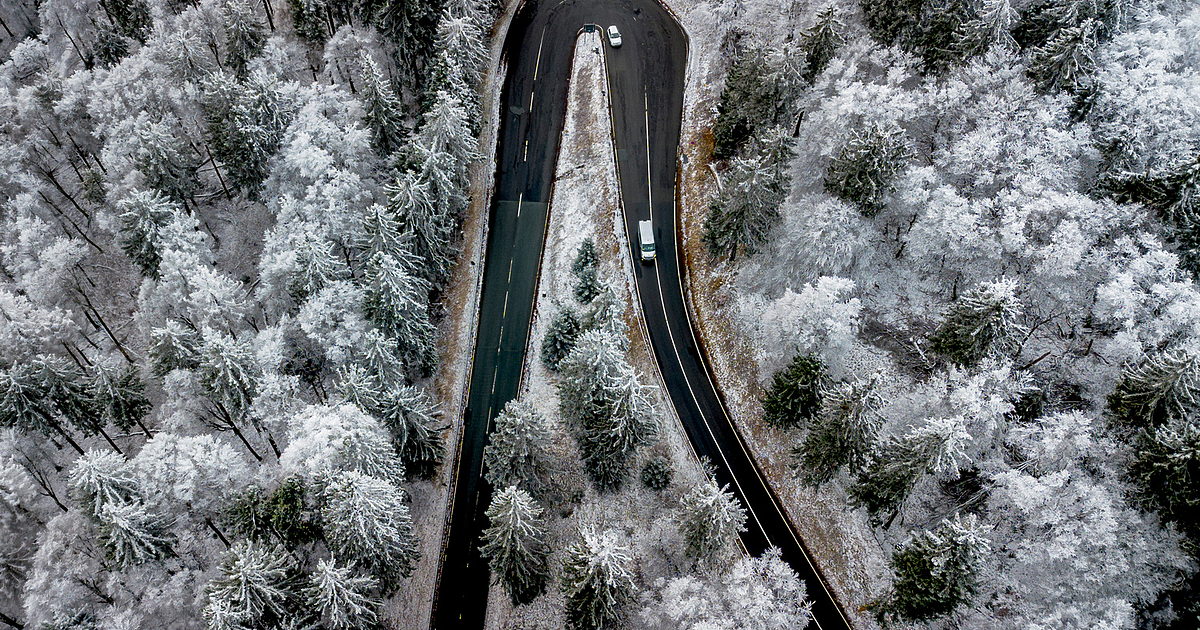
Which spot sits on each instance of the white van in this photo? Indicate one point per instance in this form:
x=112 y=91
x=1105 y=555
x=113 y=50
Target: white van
x=646 y=235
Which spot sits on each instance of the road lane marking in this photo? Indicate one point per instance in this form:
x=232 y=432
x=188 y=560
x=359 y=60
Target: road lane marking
x=700 y=410
x=524 y=158
x=649 y=184
x=537 y=64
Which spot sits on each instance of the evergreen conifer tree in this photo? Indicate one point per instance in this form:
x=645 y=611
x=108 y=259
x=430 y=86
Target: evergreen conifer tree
x=132 y=534
x=343 y=598
x=102 y=478
x=935 y=573
x=1067 y=61
x=560 y=337
x=744 y=103
x=397 y=302
x=603 y=398
x=227 y=372
x=587 y=285
x=367 y=523
x=863 y=169
x=254 y=587
x=518 y=449
x=143 y=215
x=843 y=433
x=598 y=581
x=417 y=213
x=244 y=35
x=991 y=27
x=167 y=164
x=384 y=113
x=820 y=43
x=884 y=485
x=515 y=545
x=174 y=346
x=982 y=322
x=796 y=392
x=1162 y=387
x=1166 y=469
x=740 y=218
x=415 y=424
x=585 y=257
x=710 y=518
x=120 y=396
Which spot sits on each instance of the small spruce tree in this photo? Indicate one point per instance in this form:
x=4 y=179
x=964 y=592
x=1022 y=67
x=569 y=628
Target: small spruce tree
x=1164 y=386
x=143 y=215
x=842 y=435
x=367 y=522
x=796 y=391
x=515 y=545
x=709 y=519
x=820 y=43
x=255 y=586
x=864 y=168
x=983 y=322
x=342 y=598
x=935 y=573
x=597 y=580
x=560 y=337
x=657 y=473
x=518 y=449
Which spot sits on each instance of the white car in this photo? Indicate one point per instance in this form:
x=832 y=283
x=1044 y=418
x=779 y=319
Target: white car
x=614 y=37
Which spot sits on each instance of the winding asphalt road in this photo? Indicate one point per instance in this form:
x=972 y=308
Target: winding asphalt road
x=646 y=79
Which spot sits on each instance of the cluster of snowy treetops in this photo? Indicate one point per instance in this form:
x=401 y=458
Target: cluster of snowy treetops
x=965 y=242
x=610 y=412
x=224 y=229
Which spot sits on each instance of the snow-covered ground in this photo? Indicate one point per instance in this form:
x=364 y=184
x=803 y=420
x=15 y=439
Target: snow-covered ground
x=585 y=204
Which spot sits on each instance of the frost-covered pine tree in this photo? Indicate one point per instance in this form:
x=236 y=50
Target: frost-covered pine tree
x=587 y=285
x=25 y=404
x=412 y=203
x=864 y=168
x=397 y=301
x=1162 y=387
x=518 y=449
x=710 y=517
x=414 y=421
x=1166 y=467
x=585 y=257
x=342 y=598
x=102 y=478
x=244 y=35
x=1067 y=61
x=883 y=486
x=367 y=523
x=119 y=396
x=227 y=372
x=132 y=534
x=382 y=234
x=603 y=398
x=254 y=588
x=935 y=573
x=174 y=346
x=382 y=109
x=983 y=322
x=991 y=27
x=168 y=166
x=741 y=217
x=843 y=434
x=597 y=579
x=560 y=338
x=820 y=42
x=246 y=121
x=460 y=36
x=515 y=544
x=796 y=392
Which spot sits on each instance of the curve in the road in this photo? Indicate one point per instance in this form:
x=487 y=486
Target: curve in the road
x=646 y=79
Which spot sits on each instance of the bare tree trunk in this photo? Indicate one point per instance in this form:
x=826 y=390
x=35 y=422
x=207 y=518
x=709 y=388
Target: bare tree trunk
x=3 y=617
x=217 y=531
x=111 y=442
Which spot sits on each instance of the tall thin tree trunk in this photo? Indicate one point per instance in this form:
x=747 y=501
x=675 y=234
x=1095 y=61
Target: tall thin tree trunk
x=111 y=442
x=3 y=617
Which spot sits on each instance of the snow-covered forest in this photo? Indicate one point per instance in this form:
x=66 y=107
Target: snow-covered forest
x=958 y=238
x=226 y=232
